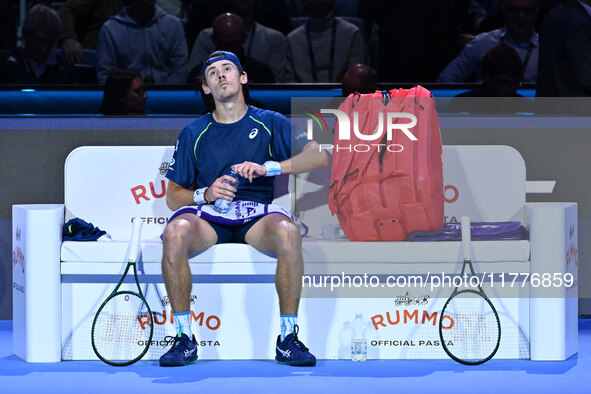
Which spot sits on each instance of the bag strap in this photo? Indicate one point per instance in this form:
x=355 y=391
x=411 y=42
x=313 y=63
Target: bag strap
x=345 y=164
x=381 y=177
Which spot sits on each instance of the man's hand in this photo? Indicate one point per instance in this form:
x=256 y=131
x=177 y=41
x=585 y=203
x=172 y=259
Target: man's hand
x=219 y=189
x=73 y=51
x=250 y=170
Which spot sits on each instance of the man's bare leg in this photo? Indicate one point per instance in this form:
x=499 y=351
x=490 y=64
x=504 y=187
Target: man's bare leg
x=276 y=234
x=185 y=235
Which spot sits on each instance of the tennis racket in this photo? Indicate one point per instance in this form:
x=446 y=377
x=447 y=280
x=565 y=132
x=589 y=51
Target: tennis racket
x=469 y=327
x=123 y=325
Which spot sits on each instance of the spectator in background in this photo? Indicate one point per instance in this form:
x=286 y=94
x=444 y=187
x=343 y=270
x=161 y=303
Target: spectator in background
x=144 y=38
x=520 y=16
x=229 y=34
x=201 y=16
x=274 y=14
x=82 y=20
x=494 y=16
x=35 y=61
x=416 y=39
x=565 y=51
x=322 y=49
x=470 y=26
x=262 y=43
x=178 y=8
x=502 y=69
x=124 y=94
x=359 y=78
x=270 y=13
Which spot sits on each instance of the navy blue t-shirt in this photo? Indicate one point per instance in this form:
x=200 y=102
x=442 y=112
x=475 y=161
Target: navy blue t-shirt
x=206 y=149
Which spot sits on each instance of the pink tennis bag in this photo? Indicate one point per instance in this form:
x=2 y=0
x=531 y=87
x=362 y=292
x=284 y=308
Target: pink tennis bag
x=387 y=175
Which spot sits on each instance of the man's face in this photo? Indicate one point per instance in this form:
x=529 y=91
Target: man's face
x=136 y=97
x=223 y=80
x=520 y=15
x=39 y=45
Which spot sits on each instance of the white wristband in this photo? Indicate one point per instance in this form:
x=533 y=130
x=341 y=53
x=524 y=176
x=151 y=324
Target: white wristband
x=273 y=168
x=199 y=196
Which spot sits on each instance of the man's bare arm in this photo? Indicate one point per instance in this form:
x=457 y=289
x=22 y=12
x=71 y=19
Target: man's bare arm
x=178 y=196
x=310 y=158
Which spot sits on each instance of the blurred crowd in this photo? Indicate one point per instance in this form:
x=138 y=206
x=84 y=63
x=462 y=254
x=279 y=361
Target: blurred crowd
x=499 y=44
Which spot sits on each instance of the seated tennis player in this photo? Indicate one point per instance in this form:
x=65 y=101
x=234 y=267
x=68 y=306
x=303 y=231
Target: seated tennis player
x=258 y=145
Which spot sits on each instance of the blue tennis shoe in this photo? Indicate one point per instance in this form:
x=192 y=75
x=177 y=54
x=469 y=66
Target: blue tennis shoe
x=182 y=352
x=292 y=351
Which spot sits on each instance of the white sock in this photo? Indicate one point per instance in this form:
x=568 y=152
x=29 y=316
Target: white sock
x=287 y=324
x=182 y=322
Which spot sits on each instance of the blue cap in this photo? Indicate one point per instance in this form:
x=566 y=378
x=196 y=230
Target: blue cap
x=220 y=55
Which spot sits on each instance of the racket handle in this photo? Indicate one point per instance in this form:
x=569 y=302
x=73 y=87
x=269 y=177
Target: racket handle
x=136 y=233
x=466 y=236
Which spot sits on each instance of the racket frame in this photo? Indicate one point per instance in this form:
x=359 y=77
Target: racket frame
x=466 y=239
x=133 y=253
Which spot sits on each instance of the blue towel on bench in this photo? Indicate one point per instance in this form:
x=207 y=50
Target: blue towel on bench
x=78 y=230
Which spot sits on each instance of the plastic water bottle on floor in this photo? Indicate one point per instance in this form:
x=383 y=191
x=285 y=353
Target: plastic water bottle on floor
x=221 y=205
x=358 y=339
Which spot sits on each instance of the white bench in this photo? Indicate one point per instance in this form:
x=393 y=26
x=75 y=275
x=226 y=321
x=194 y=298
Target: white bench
x=59 y=285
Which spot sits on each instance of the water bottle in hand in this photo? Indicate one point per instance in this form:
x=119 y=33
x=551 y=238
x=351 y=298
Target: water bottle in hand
x=221 y=205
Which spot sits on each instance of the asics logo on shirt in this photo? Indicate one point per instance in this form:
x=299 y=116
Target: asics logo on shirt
x=253 y=133
x=285 y=353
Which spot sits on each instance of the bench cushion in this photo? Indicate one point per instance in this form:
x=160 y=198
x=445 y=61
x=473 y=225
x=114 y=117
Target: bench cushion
x=314 y=251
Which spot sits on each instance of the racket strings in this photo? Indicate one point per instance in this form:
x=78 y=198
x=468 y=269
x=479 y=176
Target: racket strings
x=515 y=341
x=474 y=333
x=122 y=329
x=119 y=327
